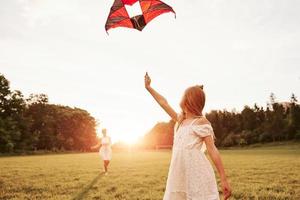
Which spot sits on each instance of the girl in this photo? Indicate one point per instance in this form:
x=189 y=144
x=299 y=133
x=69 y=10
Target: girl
x=105 y=150
x=191 y=176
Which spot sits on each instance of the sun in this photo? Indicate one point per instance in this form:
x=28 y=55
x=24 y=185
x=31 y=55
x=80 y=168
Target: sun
x=130 y=139
x=125 y=138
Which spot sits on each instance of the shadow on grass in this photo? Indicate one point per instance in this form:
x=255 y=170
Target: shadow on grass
x=86 y=189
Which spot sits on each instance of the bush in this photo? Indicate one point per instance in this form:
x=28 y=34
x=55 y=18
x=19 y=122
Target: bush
x=265 y=137
x=250 y=137
x=9 y=147
x=230 y=140
x=242 y=142
x=297 y=135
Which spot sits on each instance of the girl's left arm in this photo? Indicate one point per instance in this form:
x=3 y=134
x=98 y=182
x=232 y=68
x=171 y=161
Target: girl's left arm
x=216 y=158
x=96 y=146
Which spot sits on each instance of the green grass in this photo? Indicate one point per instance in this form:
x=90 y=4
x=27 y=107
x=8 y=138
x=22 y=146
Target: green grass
x=265 y=173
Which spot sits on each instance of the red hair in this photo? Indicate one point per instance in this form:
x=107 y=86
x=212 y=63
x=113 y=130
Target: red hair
x=193 y=100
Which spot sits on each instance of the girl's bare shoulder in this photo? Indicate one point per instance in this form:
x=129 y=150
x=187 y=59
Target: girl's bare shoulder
x=202 y=121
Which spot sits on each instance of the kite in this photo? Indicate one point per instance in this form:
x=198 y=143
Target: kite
x=119 y=17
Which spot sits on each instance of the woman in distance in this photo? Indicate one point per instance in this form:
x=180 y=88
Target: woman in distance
x=105 y=150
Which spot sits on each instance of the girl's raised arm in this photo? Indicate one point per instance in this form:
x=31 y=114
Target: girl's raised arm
x=160 y=99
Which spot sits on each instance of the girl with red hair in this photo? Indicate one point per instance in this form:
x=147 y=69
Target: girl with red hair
x=191 y=176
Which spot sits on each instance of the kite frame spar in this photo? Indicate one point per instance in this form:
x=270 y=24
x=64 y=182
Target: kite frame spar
x=119 y=17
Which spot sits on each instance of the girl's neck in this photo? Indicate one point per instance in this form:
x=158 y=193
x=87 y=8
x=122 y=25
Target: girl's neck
x=191 y=115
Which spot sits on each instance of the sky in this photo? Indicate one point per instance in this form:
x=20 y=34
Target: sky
x=241 y=51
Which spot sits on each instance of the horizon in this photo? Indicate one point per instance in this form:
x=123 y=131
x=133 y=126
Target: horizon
x=136 y=140
x=240 y=51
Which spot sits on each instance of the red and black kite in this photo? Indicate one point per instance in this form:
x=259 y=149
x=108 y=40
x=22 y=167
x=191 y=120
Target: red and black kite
x=119 y=17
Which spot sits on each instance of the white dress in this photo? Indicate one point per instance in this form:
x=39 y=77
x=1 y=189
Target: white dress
x=105 y=150
x=191 y=176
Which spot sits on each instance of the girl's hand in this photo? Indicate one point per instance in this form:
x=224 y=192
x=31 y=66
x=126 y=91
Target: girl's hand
x=94 y=147
x=147 y=81
x=226 y=189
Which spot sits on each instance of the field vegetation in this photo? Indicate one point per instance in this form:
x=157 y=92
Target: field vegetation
x=264 y=173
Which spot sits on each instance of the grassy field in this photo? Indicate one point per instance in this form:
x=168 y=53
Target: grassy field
x=268 y=173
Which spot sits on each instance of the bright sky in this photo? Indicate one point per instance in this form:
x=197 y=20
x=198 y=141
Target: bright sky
x=240 y=50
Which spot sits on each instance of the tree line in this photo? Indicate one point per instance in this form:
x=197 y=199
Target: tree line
x=276 y=122
x=28 y=124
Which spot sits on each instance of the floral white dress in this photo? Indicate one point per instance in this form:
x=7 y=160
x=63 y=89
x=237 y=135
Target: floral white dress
x=105 y=150
x=191 y=176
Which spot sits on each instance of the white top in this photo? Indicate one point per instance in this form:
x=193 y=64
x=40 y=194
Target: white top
x=105 y=141
x=105 y=150
x=191 y=176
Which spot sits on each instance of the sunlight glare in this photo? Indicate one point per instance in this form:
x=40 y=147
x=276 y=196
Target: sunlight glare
x=130 y=139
